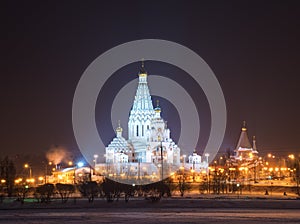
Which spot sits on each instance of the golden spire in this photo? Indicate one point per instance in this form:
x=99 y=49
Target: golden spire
x=244 y=126
x=143 y=72
x=119 y=129
x=157 y=108
x=254 y=144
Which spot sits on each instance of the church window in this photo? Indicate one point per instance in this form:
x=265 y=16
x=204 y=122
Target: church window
x=143 y=130
x=137 y=130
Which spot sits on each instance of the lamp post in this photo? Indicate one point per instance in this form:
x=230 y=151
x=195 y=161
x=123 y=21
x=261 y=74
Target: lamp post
x=207 y=172
x=46 y=170
x=206 y=155
x=297 y=167
x=183 y=156
x=193 y=171
x=139 y=170
x=79 y=165
x=161 y=158
x=95 y=159
x=28 y=167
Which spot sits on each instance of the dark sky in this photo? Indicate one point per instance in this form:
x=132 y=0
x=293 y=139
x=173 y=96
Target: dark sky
x=252 y=47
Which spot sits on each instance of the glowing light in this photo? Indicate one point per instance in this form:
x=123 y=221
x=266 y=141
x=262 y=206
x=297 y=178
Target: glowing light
x=292 y=156
x=80 y=164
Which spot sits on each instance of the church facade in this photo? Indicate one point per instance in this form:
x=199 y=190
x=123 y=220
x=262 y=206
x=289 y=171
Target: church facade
x=149 y=149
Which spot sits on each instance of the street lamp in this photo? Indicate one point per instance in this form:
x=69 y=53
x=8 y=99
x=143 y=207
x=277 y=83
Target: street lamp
x=79 y=165
x=161 y=158
x=206 y=155
x=46 y=170
x=297 y=174
x=184 y=156
x=26 y=166
x=95 y=159
x=207 y=169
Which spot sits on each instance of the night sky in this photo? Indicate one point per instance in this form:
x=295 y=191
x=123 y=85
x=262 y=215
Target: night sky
x=252 y=47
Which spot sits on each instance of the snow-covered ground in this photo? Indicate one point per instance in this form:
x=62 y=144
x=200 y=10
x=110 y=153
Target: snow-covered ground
x=166 y=211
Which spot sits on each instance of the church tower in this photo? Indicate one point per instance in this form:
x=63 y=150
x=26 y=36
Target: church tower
x=142 y=111
x=244 y=150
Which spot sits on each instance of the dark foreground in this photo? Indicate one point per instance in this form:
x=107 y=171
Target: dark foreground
x=166 y=211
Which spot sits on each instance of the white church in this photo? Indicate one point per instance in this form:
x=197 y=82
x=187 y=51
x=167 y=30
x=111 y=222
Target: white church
x=149 y=152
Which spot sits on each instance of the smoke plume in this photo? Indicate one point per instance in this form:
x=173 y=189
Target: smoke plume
x=57 y=154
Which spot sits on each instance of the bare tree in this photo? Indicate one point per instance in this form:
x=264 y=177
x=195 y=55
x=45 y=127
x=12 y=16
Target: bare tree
x=44 y=192
x=65 y=190
x=89 y=189
x=8 y=173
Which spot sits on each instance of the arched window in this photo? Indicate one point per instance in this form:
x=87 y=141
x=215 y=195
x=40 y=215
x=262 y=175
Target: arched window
x=137 y=130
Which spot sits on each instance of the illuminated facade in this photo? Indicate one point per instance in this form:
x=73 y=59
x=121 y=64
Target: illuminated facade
x=244 y=151
x=149 y=142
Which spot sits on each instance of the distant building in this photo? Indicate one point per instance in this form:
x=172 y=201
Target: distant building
x=244 y=151
x=195 y=163
x=71 y=175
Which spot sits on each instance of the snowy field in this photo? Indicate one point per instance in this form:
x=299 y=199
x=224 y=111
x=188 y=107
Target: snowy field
x=166 y=211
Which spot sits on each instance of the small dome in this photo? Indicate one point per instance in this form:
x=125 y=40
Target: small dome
x=119 y=129
x=157 y=108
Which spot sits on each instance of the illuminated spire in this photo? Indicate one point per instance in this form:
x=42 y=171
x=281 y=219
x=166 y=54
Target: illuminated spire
x=244 y=126
x=157 y=108
x=143 y=72
x=142 y=110
x=244 y=140
x=254 y=145
x=119 y=129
